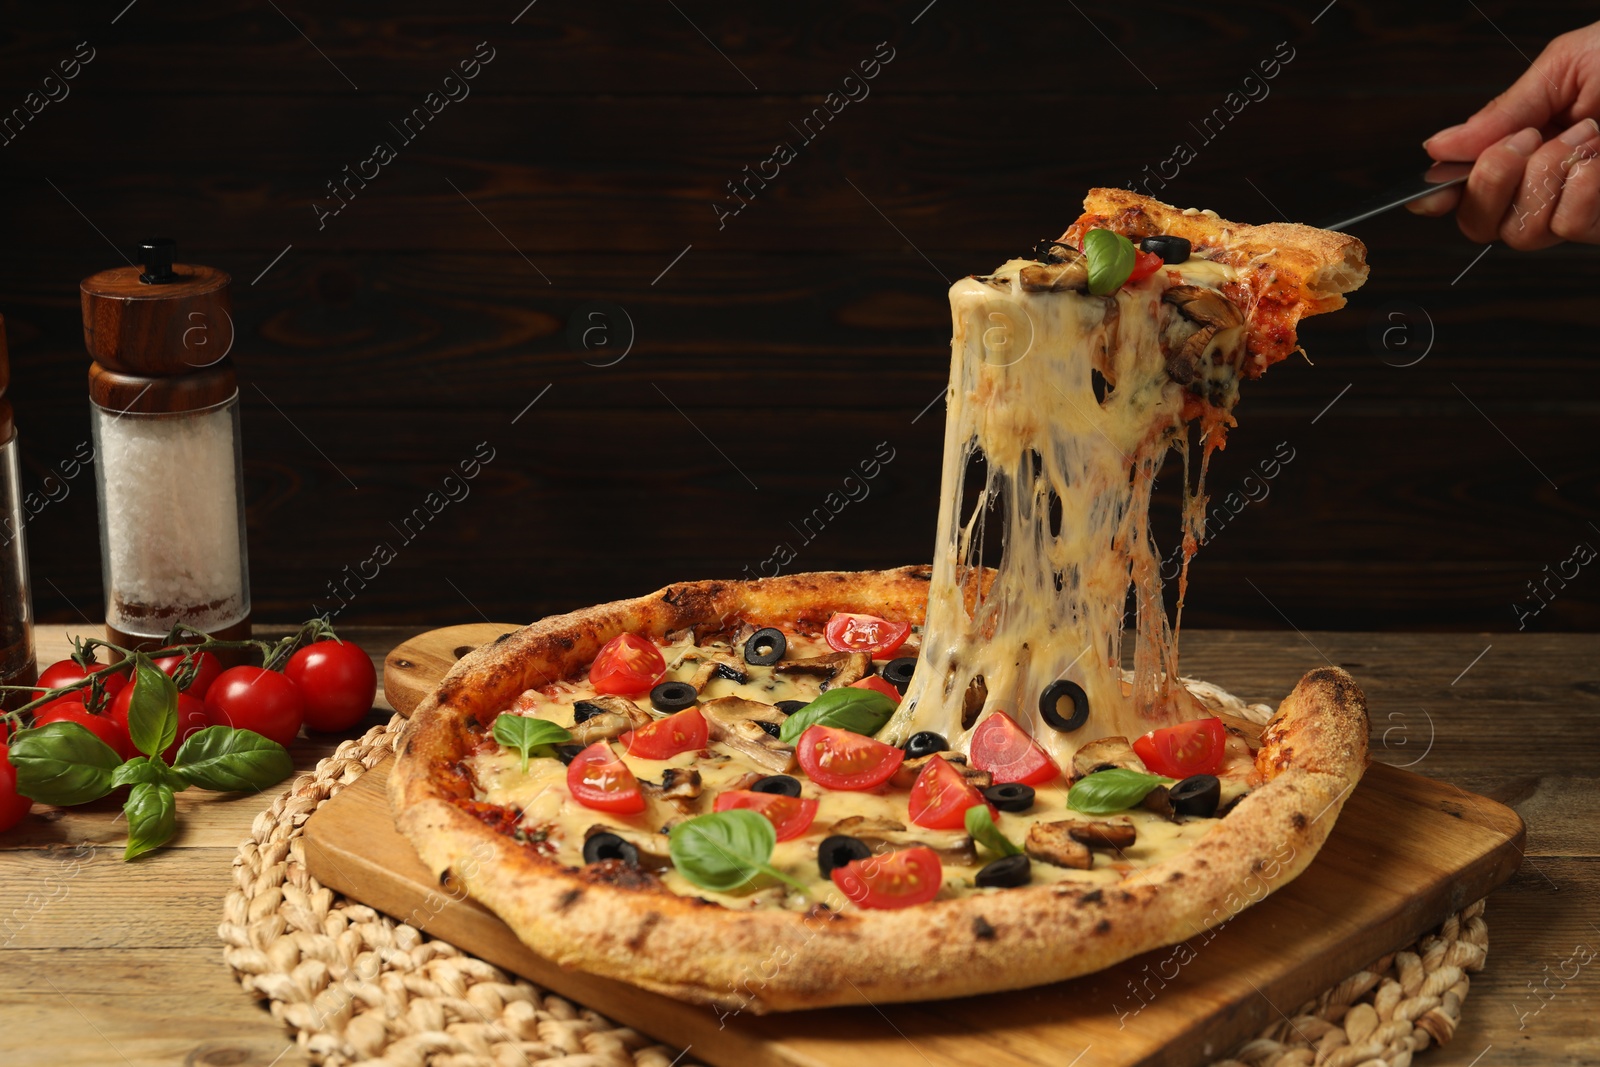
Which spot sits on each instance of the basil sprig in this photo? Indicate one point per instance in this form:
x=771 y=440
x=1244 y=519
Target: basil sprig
x=1110 y=258
x=981 y=828
x=1113 y=789
x=63 y=763
x=861 y=711
x=725 y=850
x=527 y=734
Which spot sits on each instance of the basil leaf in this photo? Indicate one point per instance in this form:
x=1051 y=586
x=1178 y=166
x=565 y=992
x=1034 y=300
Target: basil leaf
x=861 y=711
x=1113 y=789
x=143 y=770
x=153 y=710
x=1110 y=258
x=526 y=733
x=152 y=816
x=725 y=850
x=232 y=761
x=981 y=827
x=62 y=763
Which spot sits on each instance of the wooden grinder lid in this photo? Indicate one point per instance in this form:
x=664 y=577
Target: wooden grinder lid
x=162 y=319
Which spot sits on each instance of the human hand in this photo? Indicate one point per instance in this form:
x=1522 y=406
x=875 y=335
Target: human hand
x=1535 y=181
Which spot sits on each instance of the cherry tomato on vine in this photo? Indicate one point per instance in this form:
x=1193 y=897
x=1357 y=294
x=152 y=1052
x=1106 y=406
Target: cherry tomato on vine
x=250 y=698
x=13 y=805
x=65 y=672
x=338 y=682
x=206 y=669
x=846 y=632
x=102 y=726
x=627 y=666
x=192 y=718
x=1184 y=750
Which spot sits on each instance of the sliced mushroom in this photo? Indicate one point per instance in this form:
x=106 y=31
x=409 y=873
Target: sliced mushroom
x=618 y=717
x=1159 y=801
x=975 y=778
x=681 y=783
x=1106 y=752
x=973 y=700
x=883 y=835
x=906 y=774
x=1066 y=268
x=716 y=665
x=736 y=722
x=1205 y=306
x=653 y=854
x=1105 y=833
x=1052 y=842
x=840 y=668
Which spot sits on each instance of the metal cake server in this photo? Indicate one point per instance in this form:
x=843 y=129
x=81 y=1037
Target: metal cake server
x=1439 y=176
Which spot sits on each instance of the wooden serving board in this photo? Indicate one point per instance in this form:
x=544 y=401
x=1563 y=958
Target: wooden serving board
x=1406 y=852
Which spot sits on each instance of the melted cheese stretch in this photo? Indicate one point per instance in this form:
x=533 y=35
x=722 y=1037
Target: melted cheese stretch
x=549 y=812
x=1022 y=397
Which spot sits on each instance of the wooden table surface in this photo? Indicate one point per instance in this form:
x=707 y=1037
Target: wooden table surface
x=103 y=962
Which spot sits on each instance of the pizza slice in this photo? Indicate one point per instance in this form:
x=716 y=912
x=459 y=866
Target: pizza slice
x=902 y=785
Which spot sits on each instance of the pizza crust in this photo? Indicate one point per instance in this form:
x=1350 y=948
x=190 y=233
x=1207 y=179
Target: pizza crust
x=610 y=920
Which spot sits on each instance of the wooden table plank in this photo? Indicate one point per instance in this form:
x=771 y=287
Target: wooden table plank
x=133 y=947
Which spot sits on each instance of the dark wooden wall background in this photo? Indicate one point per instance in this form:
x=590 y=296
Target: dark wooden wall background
x=379 y=350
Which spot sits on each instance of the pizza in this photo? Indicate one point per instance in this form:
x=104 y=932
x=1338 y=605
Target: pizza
x=932 y=781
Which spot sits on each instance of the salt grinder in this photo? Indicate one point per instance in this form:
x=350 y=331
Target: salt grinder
x=17 y=665
x=165 y=412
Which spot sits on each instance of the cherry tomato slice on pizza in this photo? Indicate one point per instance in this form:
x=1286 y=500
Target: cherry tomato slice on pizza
x=1004 y=749
x=1144 y=265
x=790 y=816
x=894 y=880
x=627 y=666
x=665 y=738
x=1189 y=748
x=877 y=685
x=940 y=796
x=599 y=780
x=865 y=633
x=840 y=759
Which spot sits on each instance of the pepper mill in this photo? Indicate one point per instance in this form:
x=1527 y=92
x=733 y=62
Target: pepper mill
x=165 y=412
x=17 y=665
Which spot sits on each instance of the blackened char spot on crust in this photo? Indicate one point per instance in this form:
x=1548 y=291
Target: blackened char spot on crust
x=568 y=899
x=1342 y=687
x=1103 y=926
x=692 y=604
x=648 y=923
x=1093 y=896
x=820 y=910
x=1175 y=876
x=981 y=928
x=618 y=875
x=1299 y=820
x=444 y=877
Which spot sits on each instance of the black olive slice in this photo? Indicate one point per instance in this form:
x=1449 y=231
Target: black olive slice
x=568 y=753
x=1006 y=873
x=1050 y=705
x=777 y=784
x=770 y=727
x=765 y=647
x=838 y=851
x=898 y=672
x=925 y=743
x=1010 y=796
x=789 y=707
x=1171 y=249
x=1196 y=795
x=673 y=696
x=609 y=847
x=583 y=711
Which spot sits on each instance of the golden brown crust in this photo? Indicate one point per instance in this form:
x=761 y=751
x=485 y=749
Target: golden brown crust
x=1287 y=270
x=599 y=919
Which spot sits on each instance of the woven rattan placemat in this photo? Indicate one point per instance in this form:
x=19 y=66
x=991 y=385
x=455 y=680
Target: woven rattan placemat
x=355 y=986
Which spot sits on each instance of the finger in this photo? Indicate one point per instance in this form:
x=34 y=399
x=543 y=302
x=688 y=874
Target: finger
x=1577 y=215
x=1493 y=182
x=1527 y=222
x=1543 y=91
x=1435 y=204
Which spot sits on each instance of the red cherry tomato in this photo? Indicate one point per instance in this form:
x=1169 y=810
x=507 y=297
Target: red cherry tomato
x=599 y=780
x=877 y=685
x=1144 y=265
x=65 y=672
x=840 y=759
x=1189 y=748
x=790 y=816
x=896 y=880
x=865 y=633
x=192 y=718
x=102 y=726
x=627 y=666
x=206 y=669
x=1004 y=749
x=338 y=682
x=13 y=805
x=249 y=698
x=665 y=738
x=940 y=796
